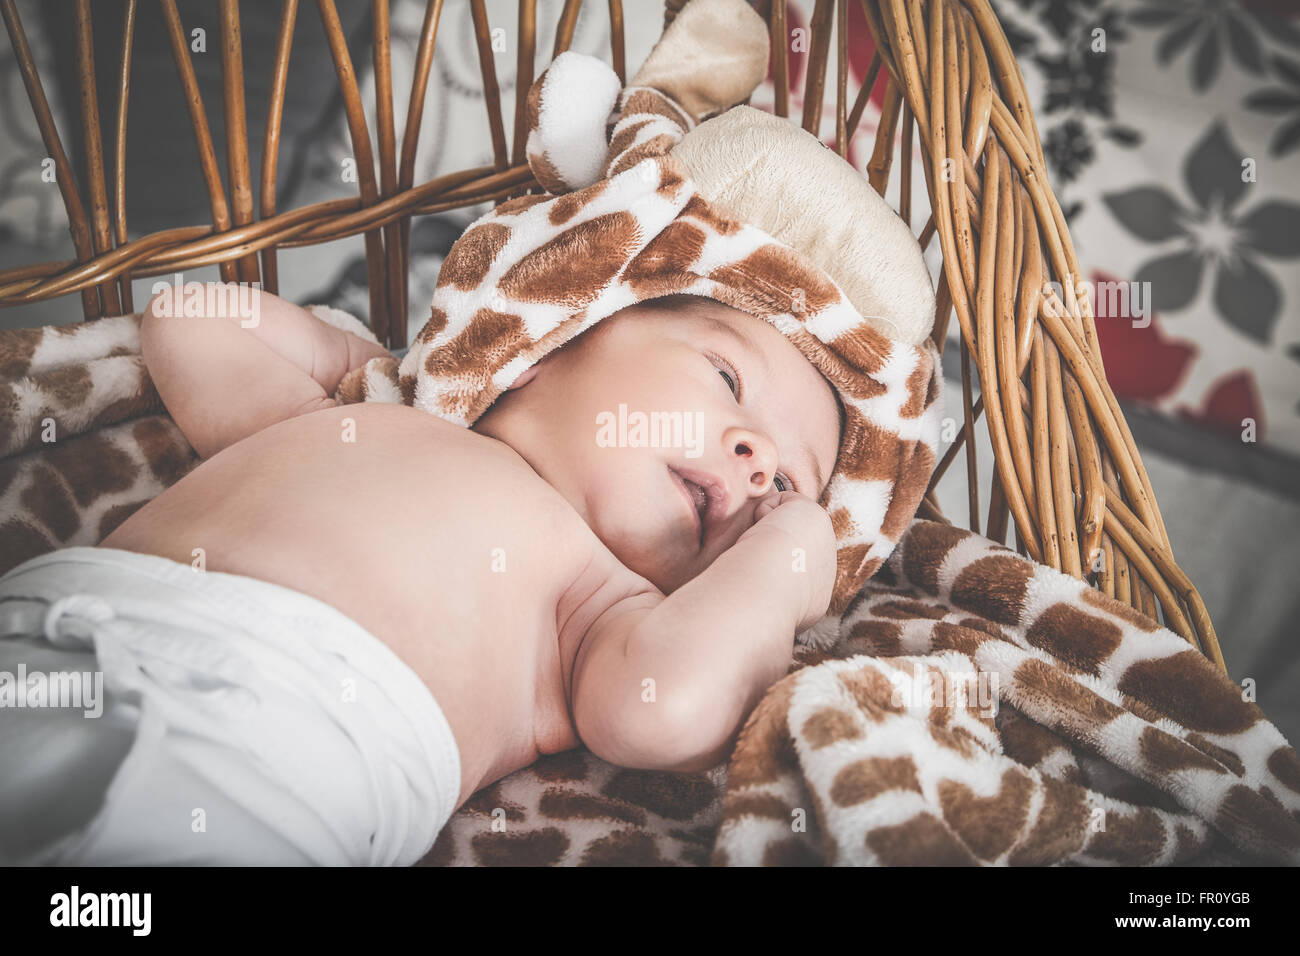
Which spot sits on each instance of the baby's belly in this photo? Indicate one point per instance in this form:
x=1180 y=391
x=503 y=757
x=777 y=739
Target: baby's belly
x=400 y=526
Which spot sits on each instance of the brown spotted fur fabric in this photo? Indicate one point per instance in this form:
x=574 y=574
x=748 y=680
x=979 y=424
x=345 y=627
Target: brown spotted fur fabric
x=84 y=437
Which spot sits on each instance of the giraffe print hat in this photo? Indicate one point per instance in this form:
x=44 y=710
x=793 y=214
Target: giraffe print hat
x=644 y=200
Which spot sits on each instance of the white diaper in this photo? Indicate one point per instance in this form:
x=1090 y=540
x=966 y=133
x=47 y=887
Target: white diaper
x=239 y=722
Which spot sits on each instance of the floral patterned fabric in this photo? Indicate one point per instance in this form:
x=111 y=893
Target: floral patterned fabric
x=1172 y=133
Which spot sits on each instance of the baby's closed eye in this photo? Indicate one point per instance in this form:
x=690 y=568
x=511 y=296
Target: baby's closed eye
x=731 y=375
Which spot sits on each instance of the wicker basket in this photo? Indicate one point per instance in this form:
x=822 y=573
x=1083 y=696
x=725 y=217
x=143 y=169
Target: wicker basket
x=1068 y=473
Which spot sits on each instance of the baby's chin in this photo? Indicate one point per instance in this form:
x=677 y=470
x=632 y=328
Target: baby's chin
x=629 y=501
x=655 y=553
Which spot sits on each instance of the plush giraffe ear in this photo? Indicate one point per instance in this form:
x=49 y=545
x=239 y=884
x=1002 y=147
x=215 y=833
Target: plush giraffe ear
x=569 y=107
x=712 y=56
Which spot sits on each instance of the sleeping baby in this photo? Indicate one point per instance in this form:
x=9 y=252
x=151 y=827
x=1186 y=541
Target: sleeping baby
x=655 y=430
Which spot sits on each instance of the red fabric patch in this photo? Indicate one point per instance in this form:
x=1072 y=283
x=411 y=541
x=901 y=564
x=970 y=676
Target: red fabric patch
x=1233 y=398
x=1141 y=363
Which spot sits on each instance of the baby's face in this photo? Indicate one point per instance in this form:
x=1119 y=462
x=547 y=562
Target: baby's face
x=666 y=424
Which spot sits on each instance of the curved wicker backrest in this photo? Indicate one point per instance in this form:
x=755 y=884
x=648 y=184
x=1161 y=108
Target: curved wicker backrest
x=1068 y=473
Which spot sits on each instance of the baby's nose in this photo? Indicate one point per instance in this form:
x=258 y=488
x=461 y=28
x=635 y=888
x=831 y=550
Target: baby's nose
x=757 y=455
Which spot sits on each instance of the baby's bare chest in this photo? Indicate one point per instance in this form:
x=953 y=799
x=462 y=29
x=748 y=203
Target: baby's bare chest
x=441 y=542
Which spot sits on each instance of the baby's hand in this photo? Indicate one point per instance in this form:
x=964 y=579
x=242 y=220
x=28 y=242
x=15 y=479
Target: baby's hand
x=798 y=531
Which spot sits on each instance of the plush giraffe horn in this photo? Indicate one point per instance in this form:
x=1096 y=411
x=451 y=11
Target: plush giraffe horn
x=569 y=106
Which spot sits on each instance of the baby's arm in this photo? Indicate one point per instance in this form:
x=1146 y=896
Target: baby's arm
x=226 y=376
x=712 y=648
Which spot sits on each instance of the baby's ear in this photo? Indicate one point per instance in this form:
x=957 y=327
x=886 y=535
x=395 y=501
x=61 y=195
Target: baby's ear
x=525 y=378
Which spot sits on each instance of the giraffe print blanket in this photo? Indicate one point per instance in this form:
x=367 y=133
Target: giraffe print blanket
x=971 y=706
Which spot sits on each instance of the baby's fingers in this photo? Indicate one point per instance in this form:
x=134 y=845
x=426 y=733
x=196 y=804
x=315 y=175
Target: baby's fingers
x=772 y=502
x=782 y=499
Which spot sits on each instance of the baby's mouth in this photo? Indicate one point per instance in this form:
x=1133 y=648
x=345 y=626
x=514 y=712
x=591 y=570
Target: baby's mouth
x=708 y=497
x=698 y=499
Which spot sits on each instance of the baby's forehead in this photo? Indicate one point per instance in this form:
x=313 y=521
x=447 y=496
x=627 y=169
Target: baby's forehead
x=698 y=307
x=718 y=316
x=713 y=316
